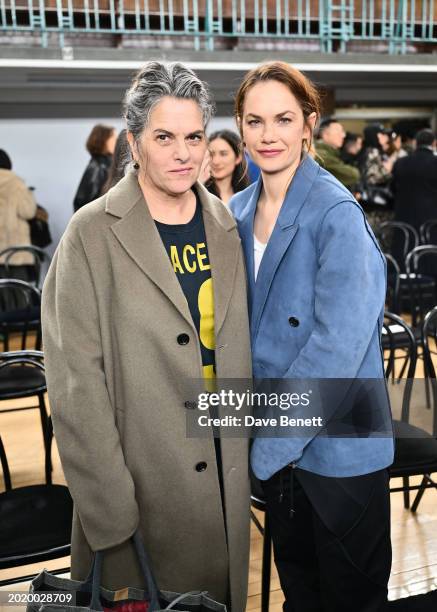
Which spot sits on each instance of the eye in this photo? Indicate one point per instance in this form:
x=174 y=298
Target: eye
x=195 y=137
x=163 y=137
x=284 y=120
x=253 y=122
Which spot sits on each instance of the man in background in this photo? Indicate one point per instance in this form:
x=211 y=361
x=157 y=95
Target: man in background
x=328 y=147
x=415 y=182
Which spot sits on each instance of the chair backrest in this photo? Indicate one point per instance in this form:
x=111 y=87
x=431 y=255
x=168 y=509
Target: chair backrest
x=393 y=284
x=400 y=358
x=20 y=312
x=428 y=232
x=421 y=264
x=402 y=238
x=26 y=359
x=429 y=334
x=41 y=262
x=5 y=467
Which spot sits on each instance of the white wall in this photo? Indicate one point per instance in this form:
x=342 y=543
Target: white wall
x=50 y=155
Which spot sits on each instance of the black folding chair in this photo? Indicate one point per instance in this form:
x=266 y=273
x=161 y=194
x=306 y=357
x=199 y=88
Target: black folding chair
x=36 y=271
x=415 y=449
x=36 y=520
x=428 y=232
x=20 y=314
x=402 y=238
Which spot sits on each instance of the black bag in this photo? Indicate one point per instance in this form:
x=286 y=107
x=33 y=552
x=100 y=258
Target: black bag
x=89 y=596
x=39 y=228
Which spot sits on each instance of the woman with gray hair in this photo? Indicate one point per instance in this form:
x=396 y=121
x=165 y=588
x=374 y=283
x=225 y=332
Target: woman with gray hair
x=147 y=292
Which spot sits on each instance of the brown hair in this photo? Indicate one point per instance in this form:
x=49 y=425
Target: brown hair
x=96 y=142
x=300 y=86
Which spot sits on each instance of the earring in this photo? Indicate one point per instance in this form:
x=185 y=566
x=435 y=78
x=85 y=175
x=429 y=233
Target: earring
x=136 y=165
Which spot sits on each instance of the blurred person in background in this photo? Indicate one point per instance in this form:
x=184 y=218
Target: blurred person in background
x=17 y=207
x=328 y=147
x=415 y=182
x=352 y=145
x=375 y=167
x=120 y=160
x=227 y=165
x=395 y=149
x=100 y=145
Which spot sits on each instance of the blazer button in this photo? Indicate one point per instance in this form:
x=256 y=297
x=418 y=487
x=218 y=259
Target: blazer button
x=190 y=405
x=201 y=467
x=183 y=339
x=293 y=321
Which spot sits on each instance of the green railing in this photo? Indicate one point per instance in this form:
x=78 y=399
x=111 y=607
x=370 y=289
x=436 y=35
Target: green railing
x=332 y=25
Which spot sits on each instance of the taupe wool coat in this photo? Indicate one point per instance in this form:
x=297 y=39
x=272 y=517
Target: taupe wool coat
x=117 y=381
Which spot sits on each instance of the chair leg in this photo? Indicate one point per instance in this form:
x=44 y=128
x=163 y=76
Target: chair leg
x=405 y=484
x=266 y=566
x=44 y=422
x=419 y=495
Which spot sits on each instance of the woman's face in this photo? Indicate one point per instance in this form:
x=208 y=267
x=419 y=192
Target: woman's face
x=223 y=159
x=384 y=140
x=273 y=126
x=172 y=146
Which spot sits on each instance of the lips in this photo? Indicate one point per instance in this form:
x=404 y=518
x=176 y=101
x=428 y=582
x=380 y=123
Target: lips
x=269 y=152
x=181 y=171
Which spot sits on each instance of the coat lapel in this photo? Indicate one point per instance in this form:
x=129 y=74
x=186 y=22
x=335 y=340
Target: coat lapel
x=137 y=234
x=223 y=250
x=283 y=234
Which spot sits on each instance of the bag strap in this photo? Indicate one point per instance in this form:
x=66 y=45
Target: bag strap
x=96 y=576
x=183 y=596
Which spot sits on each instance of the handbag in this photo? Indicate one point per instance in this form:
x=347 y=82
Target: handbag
x=50 y=593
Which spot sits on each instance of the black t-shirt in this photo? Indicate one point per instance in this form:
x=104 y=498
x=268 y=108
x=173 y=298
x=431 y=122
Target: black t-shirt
x=188 y=252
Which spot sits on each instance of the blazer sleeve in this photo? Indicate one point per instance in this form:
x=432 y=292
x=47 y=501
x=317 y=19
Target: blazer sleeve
x=350 y=288
x=89 y=445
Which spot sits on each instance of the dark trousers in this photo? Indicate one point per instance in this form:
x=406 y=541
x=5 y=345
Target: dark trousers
x=331 y=540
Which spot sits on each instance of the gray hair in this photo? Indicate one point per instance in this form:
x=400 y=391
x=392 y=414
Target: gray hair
x=156 y=80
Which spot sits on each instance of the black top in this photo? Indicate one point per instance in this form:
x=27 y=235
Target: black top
x=188 y=252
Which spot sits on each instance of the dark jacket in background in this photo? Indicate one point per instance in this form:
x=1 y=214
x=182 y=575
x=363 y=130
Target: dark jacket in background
x=415 y=187
x=93 y=180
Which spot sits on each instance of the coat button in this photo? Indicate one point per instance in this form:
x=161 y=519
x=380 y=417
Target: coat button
x=201 y=467
x=293 y=321
x=183 y=339
x=190 y=405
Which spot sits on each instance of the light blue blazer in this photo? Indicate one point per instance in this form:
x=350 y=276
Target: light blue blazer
x=316 y=312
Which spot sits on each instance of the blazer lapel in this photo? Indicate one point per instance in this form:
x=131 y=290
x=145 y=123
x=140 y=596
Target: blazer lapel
x=245 y=227
x=283 y=234
x=137 y=234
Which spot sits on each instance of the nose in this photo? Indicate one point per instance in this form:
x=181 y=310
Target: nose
x=182 y=152
x=269 y=134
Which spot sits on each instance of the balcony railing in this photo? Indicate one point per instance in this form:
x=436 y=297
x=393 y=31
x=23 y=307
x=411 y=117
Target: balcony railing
x=400 y=25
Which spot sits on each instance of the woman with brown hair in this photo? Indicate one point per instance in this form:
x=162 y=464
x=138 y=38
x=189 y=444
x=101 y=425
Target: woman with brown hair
x=316 y=280
x=227 y=163
x=100 y=145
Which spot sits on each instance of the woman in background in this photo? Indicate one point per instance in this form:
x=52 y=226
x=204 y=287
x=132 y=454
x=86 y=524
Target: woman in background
x=100 y=145
x=17 y=207
x=227 y=163
x=120 y=160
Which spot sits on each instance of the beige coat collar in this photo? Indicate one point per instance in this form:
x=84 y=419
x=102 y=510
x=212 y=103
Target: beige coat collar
x=137 y=233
